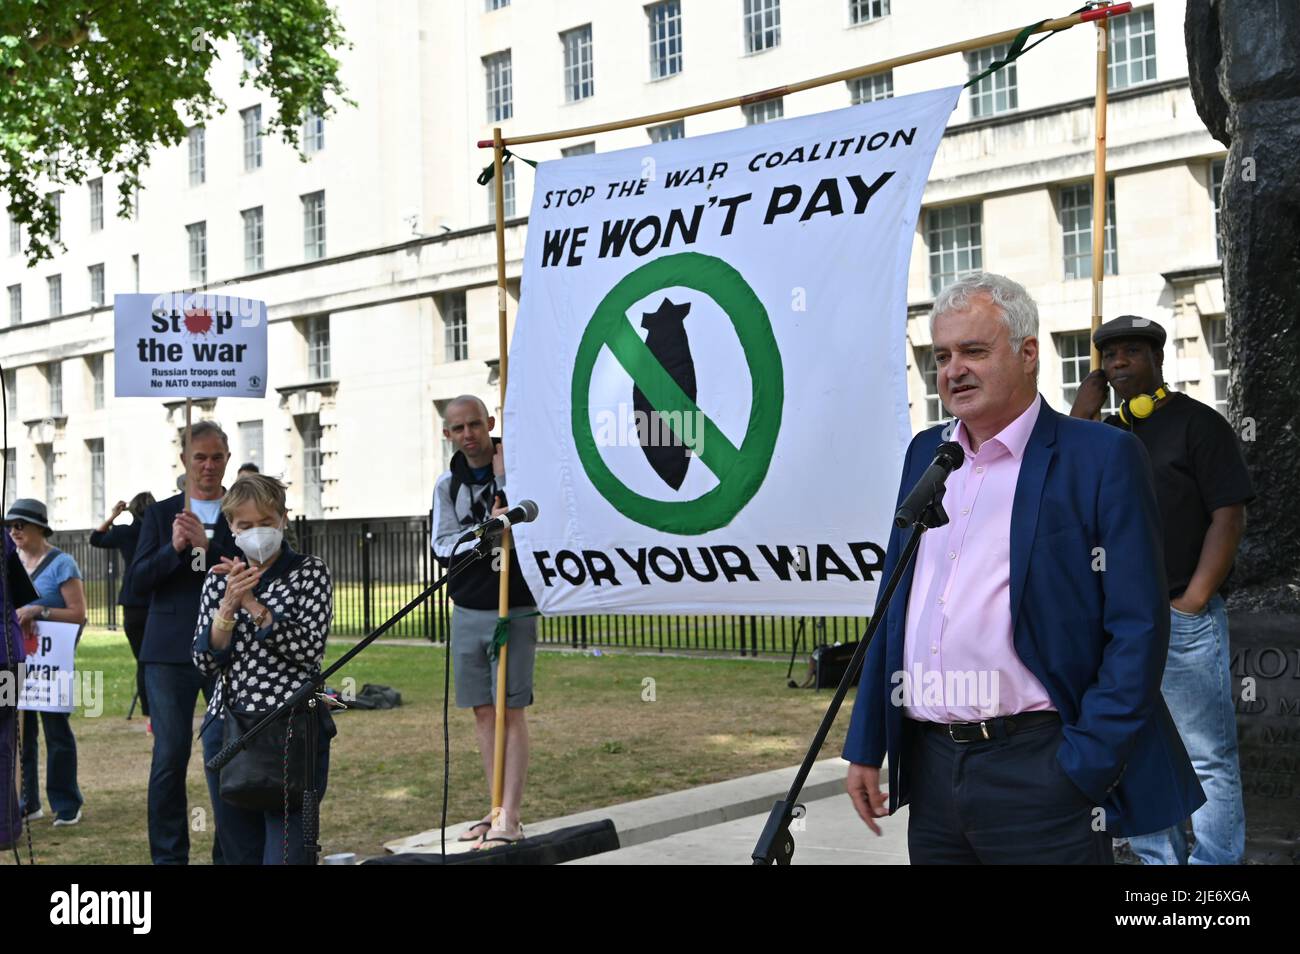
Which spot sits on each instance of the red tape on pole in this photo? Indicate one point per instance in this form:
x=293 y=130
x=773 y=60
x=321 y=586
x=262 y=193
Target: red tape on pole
x=1117 y=10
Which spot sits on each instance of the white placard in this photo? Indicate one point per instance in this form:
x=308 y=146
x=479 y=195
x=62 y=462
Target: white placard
x=708 y=376
x=49 y=672
x=189 y=345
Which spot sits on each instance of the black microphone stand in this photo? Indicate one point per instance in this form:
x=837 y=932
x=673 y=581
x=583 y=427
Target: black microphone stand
x=308 y=693
x=775 y=845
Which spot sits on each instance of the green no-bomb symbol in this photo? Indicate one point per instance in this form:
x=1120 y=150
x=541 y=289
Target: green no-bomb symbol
x=739 y=470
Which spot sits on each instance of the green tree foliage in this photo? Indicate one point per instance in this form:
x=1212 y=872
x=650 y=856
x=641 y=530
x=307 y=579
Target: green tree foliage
x=93 y=86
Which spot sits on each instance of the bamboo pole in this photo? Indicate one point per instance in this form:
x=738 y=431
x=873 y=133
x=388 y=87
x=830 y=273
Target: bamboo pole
x=185 y=453
x=992 y=39
x=503 y=589
x=1099 y=184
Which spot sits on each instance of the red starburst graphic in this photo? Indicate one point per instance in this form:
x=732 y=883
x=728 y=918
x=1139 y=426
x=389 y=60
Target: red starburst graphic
x=198 y=321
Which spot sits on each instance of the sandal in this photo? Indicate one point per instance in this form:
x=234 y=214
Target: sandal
x=499 y=836
x=468 y=833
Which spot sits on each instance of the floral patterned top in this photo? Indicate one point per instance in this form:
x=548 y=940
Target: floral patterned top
x=264 y=667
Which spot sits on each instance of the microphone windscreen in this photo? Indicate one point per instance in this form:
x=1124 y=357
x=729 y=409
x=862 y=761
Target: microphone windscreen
x=952 y=454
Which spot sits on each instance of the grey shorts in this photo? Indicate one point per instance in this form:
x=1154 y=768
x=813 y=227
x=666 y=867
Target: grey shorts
x=476 y=674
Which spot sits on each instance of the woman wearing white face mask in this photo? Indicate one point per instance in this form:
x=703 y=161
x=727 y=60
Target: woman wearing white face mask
x=261 y=631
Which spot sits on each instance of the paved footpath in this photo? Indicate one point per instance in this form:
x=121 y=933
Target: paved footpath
x=719 y=824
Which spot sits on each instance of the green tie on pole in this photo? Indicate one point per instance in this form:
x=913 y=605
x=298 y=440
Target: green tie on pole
x=485 y=176
x=501 y=634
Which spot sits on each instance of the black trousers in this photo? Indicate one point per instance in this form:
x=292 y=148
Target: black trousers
x=133 y=620
x=1002 y=801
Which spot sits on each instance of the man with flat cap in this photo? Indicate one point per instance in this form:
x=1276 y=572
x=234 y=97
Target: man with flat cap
x=1202 y=487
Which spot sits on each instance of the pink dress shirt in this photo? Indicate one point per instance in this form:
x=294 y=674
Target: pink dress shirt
x=958 y=649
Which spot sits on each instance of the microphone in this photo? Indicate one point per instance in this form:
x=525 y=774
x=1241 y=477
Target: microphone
x=523 y=512
x=947 y=458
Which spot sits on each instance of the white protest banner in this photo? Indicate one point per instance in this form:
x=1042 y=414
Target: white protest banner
x=189 y=345
x=708 y=395
x=48 y=683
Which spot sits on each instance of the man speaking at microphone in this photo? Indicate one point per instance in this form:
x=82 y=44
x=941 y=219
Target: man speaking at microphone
x=470 y=493
x=1015 y=680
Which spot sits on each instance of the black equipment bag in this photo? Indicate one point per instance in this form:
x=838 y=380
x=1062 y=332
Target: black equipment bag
x=827 y=664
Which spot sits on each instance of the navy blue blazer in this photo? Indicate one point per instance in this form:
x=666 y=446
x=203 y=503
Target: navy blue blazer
x=170 y=583
x=1096 y=639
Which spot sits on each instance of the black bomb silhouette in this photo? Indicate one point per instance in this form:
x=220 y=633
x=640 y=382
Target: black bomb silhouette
x=667 y=341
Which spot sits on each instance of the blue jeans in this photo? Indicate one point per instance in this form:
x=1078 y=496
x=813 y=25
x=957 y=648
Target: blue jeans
x=60 y=764
x=1198 y=690
x=173 y=690
x=263 y=838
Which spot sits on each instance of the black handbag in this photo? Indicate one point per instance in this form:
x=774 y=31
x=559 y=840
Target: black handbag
x=267 y=774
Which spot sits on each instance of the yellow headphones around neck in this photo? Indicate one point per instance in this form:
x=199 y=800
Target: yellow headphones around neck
x=1141 y=406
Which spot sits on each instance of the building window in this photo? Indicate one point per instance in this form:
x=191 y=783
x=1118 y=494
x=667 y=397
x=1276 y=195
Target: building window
x=95 y=363
x=762 y=25
x=98 y=504
x=579 y=83
x=252 y=118
x=500 y=95
x=995 y=93
x=54 y=379
x=455 y=326
x=11 y=474
x=665 y=38
x=11 y=395
x=254 y=259
x=135 y=271
x=582 y=149
x=318 y=347
x=1075 y=349
x=15 y=235
x=868 y=89
x=1216 y=340
x=1132 y=55
x=250 y=439
x=313 y=133
x=46 y=454
x=96 y=284
x=864 y=11
x=96 y=187
x=507 y=190
x=955 y=247
x=198 y=242
x=15 y=304
x=55 y=283
x=929 y=371
x=1216 y=195
x=54 y=201
x=252 y=53
x=497 y=5
x=309 y=431
x=764 y=112
x=1076 y=230
x=313 y=225
x=667 y=131
x=198 y=143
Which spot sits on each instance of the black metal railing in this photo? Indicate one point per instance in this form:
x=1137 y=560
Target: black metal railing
x=380 y=565
x=101 y=574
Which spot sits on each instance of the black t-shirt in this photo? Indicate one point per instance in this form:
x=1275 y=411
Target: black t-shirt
x=1198 y=468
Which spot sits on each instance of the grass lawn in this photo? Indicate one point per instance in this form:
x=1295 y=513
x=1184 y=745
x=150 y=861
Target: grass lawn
x=594 y=742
